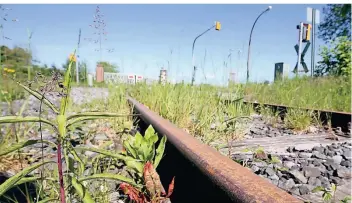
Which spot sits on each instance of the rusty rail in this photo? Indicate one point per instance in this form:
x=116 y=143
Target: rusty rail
x=337 y=118
x=236 y=182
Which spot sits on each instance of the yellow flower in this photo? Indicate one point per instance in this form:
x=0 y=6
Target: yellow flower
x=5 y=69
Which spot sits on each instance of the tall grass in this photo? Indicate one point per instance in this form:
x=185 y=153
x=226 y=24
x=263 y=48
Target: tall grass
x=327 y=93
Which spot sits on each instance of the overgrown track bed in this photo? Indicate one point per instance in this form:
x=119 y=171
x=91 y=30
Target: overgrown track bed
x=339 y=120
x=203 y=174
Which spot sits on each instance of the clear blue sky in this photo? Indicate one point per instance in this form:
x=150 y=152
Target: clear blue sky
x=143 y=35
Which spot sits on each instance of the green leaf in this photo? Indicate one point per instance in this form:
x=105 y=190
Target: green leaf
x=138 y=140
x=67 y=87
x=149 y=132
x=77 y=158
x=20 y=119
x=49 y=200
x=20 y=145
x=82 y=191
x=26 y=180
x=327 y=196
x=129 y=149
x=39 y=96
x=318 y=189
x=346 y=199
x=333 y=187
x=14 y=179
x=79 y=117
x=129 y=161
x=111 y=177
x=160 y=151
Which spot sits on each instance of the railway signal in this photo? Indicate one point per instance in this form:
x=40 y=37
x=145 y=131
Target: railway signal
x=303 y=37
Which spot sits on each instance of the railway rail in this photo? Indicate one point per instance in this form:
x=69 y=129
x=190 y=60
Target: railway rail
x=338 y=119
x=201 y=173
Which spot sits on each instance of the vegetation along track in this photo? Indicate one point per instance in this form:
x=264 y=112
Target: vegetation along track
x=201 y=173
x=338 y=120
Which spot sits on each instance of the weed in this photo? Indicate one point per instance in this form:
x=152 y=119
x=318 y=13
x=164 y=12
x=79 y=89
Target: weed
x=72 y=184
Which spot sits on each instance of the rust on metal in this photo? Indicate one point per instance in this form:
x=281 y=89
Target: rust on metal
x=240 y=183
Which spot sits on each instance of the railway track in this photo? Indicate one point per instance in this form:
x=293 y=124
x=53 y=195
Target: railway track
x=338 y=119
x=202 y=173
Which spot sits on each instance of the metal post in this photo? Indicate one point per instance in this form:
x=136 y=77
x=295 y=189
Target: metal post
x=250 y=40
x=299 y=46
x=313 y=42
x=194 y=67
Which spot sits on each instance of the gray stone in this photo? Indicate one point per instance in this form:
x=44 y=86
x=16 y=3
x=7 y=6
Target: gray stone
x=317 y=183
x=318 y=155
x=289 y=164
x=324 y=182
x=343 y=173
x=337 y=180
x=303 y=190
x=347 y=154
x=299 y=176
x=316 y=162
x=243 y=156
x=346 y=163
x=274 y=177
x=260 y=164
x=330 y=164
x=330 y=153
x=304 y=147
x=304 y=163
x=311 y=172
x=318 y=149
x=337 y=159
x=305 y=155
x=269 y=171
x=255 y=168
x=289 y=184
x=295 y=190
x=312 y=180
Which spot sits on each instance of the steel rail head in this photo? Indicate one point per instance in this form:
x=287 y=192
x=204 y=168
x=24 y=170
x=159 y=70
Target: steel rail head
x=237 y=181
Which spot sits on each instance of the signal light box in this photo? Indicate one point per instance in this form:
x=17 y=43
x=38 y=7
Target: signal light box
x=281 y=71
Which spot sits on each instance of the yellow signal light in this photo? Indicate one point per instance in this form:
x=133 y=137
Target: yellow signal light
x=217 y=25
x=309 y=27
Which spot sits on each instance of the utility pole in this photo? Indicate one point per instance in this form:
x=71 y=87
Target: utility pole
x=77 y=69
x=30 y=54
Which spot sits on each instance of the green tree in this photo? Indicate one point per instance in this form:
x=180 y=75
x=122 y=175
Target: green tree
x=336 y=31
x=336 y=58
x=16 y=58
x=83 y=71
x=109 y=67
x=336 y=23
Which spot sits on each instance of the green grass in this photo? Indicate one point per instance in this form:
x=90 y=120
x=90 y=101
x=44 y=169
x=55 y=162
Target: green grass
x=328 y=93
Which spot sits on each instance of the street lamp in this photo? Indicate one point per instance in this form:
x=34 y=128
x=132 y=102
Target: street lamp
x=217 y=26
x=250 y=39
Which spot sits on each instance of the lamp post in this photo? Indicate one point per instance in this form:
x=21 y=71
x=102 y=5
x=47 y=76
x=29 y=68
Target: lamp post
x=250 y=40
x=217 y=26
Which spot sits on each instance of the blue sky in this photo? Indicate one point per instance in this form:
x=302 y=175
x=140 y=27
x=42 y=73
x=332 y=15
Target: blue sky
x=144 y=35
